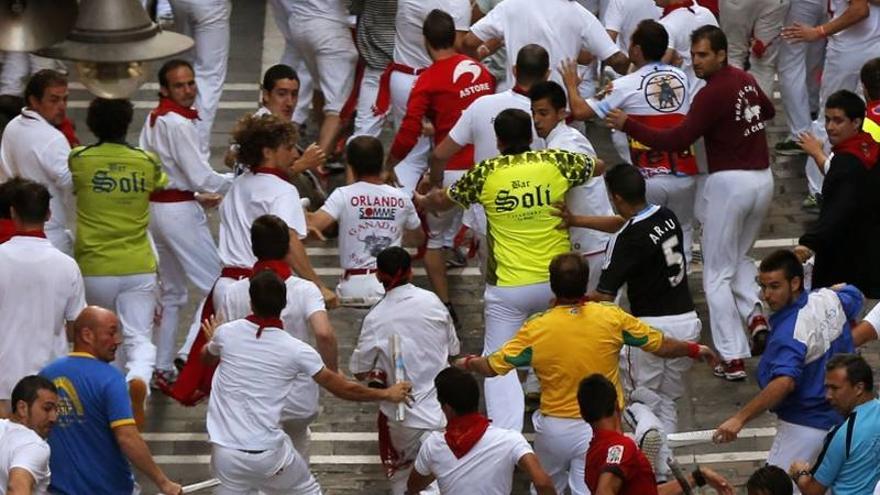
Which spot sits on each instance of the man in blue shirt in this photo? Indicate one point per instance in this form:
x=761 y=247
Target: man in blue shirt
x=850 y=460
x=95 y=437
x=806 y=329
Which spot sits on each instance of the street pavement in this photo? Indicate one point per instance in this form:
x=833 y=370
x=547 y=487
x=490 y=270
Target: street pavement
x=344 y=447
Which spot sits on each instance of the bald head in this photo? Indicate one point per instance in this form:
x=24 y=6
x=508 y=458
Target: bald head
x=96 y=331
x=532 y=65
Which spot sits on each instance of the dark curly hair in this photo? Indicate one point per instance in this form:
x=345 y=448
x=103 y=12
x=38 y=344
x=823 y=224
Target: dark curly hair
x=253 y=134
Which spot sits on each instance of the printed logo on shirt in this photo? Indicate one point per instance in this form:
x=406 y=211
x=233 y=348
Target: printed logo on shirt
x=466 y=67
x=524 y=195
x=615 y=454
x=70 y=407
x=377 y=208
x=104 y=182
x=747 y=113
x=664 y=92
x=375 y=244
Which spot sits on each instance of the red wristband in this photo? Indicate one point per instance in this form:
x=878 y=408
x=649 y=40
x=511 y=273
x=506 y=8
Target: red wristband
x=467 y=360
x=693 y=350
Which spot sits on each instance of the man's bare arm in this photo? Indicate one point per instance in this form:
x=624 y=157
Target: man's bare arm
x=138 y=453
x=325 y=339
x=21 y=482
x=540 y=479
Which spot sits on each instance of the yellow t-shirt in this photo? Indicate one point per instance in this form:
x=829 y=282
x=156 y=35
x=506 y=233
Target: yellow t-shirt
x=112 y=183
x=565 y=344
x=518 y=192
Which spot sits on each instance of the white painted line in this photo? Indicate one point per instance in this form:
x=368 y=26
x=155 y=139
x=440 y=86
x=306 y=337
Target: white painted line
x=777 y=95
x=153 y=86
x=686 y=438
x=361 y=460
x=334 y=251
x=175 y=437
x=419 y=272
x=150 y=104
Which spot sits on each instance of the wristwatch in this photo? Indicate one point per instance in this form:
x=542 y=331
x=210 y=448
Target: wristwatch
x=796 y=476
x=699 y=478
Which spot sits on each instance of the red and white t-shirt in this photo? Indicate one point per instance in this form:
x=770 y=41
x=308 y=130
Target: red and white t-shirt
x=613 y=452
x=657 y=95
x=371 y=217
x=441 y=94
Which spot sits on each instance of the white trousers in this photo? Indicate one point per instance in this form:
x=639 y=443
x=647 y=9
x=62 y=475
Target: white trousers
x=641 y=418
x=407 y=441
x=411 y=168
x=742 y=20
x=300 y=434
x=291 y=58
x=795 y=443
x=736 y=205
x=366 y=123
x=280 y=471
x=664 y=377
x=207 y=22
x=443 y=226
x=595 y=261
x=506 y=309
x=561 y=445
x=61 y=239
x=678 y=194
x=798 y=64
x=18 y=68
x=329 y=55
x=359 y=290
x=133 y=299
x=186 y=252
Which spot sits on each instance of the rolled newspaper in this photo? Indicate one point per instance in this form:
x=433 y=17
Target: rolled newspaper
x=399 y=372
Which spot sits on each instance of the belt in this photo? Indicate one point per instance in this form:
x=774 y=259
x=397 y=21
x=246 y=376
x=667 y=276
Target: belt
x=383 y=96
x=359 y=271
x=251 y=451
x=236 y=272
x=171 y=196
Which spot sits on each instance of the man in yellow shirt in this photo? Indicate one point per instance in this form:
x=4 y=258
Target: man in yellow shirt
x=517 y=189
x=566 y=343
x=112 y=182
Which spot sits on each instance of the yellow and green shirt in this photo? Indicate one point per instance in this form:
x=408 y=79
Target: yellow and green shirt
x=518 y=192
x=112 y=183
x=565 y=344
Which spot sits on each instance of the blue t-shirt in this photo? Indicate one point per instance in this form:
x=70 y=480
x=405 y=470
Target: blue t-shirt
x=798 y=347
x=93 y=399
x=858 y=472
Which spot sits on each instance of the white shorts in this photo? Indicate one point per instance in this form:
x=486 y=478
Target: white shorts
x=359 y=290
x=329 y=54
x=444 y=226
x=278 y=471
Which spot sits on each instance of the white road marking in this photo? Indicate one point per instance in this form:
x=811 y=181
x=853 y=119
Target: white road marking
x=417 y=271
x=150 y=104
x=154 y=86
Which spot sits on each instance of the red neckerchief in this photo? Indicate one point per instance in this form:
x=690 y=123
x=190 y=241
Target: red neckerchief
x=30 y=233
x=277 y=172
x=167 y=105
x=264 y=322
x=682 y=4
x=518 y=90
x=69 y=130
x=392 y=281
x=863 y=147
x=281 y=268
x=463 y=432
x=7 y=229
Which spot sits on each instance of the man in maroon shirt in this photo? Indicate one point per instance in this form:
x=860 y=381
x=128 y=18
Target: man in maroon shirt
x=615 y=465
x=729 y=113
x=441 y=93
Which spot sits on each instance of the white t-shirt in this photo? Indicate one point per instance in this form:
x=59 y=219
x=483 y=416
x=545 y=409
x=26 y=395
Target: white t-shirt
x=34 y=149
x=331 y=10
x=427 y=339
x=863 y=33
x=250 y=197
x=679 y=24
x=21 y=447
x=41 y=288
x=252 y=384
x=487 y=469
x=304 y=299
x=409 y=43
x=873 y=317
x=175 y=139
x=624 y=16
x=562 y=27
x=588 y=199
x=371 y=217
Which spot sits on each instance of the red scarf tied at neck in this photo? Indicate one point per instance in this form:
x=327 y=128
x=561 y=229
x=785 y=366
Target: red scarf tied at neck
x=463 y=432
x=681 y=4
x=280 y=267
x=518 y=90
x=264 y=322
x=861 y=146
x=277 y=172
x=391 y=281
x=30 y=233
x=167 y=105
